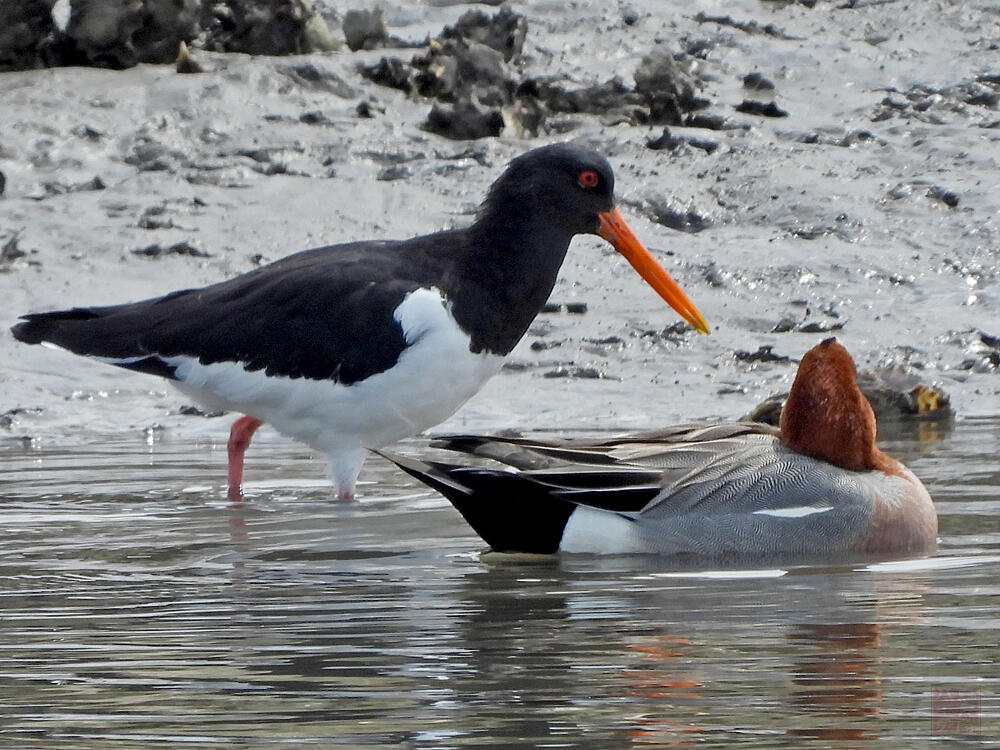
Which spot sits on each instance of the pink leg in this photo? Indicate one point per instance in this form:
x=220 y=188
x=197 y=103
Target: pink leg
x=239 y=440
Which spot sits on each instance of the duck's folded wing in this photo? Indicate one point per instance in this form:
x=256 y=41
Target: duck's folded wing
x=701 y=469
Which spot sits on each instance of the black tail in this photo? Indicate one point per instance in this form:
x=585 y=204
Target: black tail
x=39 y=327
x=114 y=333
x=510 y=514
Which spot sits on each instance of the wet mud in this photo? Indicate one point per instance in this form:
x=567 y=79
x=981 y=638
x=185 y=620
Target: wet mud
x=801 y=173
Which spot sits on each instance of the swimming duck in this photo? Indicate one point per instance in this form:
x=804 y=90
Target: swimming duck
x=815 y=486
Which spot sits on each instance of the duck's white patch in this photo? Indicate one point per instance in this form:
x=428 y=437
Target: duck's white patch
x=433 y=377
x=797 y=512
x=601 y=532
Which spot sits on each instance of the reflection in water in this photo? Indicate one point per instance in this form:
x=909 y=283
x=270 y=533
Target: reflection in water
x=134 y=617
x=841 y=681
x=663 y=678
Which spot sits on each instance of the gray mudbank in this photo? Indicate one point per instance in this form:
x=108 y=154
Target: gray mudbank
x=827 y=180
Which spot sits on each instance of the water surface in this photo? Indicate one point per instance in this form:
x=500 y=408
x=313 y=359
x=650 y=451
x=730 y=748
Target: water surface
x=141 y=609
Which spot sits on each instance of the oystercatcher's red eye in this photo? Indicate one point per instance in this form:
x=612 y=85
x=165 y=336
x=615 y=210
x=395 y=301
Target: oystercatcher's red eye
x=588 y=178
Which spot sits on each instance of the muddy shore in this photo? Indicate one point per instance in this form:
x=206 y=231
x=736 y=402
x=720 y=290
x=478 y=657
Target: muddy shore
x=812 y=170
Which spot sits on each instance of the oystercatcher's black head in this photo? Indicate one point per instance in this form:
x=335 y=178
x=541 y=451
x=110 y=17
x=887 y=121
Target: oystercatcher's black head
x=560 y=183
x=554 y=192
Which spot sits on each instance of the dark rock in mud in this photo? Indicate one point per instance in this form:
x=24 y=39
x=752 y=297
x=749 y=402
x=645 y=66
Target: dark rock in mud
x=763 y=354
x=599 y=99
x=459 y=69
x=541 y=346
x=149 y=155
x=667 y=87
x=391 y=72
x=368 y=110
x=763 y=109
x=9 y=251
x=671 y=142
x=819 y=327
x=120 y=35
x=189 y=410
x=712 y=122
x=364 y=29
x=989 y=340
x=185 y=64
x=266 y=27
x=574 y=371
x=750 y=27
x=61 y=188
x=984 y=348
x=944 y=195
x=314 y=118
x=3 y=183
x=683 y=220
x=664 y=141
x=154 y=218
x=473 y=64
x=394 y=172
x=504 y=32
x=178 y=248
x=757 y=82
x=26 y=28
x=464 y=121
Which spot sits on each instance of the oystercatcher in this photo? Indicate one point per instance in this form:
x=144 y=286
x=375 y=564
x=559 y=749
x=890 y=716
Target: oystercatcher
x=355 y=346
x=817 y=486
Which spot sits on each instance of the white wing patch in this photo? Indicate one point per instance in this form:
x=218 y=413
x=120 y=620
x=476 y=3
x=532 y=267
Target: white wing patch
x=797 y=512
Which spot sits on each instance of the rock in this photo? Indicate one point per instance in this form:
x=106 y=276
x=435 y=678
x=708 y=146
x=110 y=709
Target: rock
x=316 y=34
x=763 y=354
x=101 y=32
x=364 y=29
x=26 y=27
x=757 y=82
x=682 y=220
x=764 y=109
x=185 y=63
x=9 y=251
x=391 y=72
x=670 y=142
x=178 y=248
x=465 y=120
x=669 y=90
x=944 y=195
x=267 y=27
x=457 y=69
x=504 y=32
x=121 y=34
x=599 y=99
x=166 y=24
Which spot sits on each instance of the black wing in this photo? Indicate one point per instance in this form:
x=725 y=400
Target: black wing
x=325 y=313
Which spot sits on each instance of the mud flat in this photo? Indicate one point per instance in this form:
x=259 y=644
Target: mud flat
x=803 y=169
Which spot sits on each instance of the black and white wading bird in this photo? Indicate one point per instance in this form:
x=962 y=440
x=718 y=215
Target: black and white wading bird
x=355 y=346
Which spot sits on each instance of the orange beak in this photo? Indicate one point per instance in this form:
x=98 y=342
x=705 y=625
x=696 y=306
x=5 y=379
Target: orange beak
x=616 y=230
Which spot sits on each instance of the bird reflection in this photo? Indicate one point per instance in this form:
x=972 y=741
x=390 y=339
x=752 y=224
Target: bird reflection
x=841 y=679
x=661 y=678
